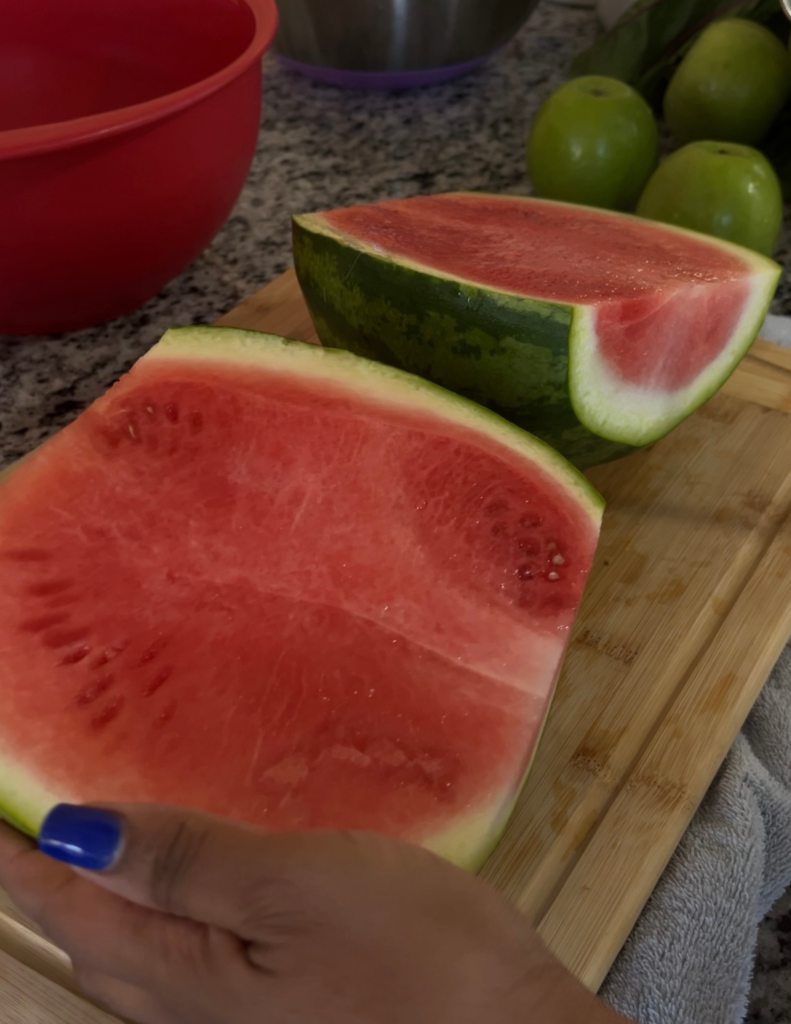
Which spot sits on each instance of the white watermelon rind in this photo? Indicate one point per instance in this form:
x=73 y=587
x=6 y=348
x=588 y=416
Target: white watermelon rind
x=632 y=415
x=533 y=360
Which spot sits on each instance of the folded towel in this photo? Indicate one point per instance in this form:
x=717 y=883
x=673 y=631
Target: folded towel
x=690 y=957
x=777 y=329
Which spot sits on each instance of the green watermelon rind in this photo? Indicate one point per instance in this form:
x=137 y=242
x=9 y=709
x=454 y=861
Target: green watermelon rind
x=25 y=801
x=445 y=845
x=526 y=359
x=431 y=326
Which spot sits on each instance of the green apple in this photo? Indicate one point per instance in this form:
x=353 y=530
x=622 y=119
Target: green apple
x=731 y=84
x=593 y=141
x=719 y=188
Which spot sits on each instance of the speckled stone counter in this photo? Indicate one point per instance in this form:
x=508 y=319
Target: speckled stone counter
x=322 y=147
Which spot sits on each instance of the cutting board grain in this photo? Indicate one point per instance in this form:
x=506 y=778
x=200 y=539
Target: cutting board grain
x=686 y=610
x=27 y=997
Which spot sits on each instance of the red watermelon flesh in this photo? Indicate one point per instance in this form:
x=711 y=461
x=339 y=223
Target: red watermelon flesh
x=665 y=302
x=289 y=586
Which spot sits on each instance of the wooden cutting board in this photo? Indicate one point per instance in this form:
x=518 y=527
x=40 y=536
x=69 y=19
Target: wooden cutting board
x=687 y=608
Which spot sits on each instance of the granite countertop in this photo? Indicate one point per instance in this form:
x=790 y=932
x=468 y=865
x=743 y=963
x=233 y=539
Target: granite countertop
x=321 y=147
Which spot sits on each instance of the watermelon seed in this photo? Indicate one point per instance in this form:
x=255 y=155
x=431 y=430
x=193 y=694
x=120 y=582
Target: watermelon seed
x=152 y=650
x=93 y=692
x=49 y=588
x=558 y=560
x=161 y=677
x=172 y=412
x=111 y=436
x=132 y=433
x=44 y=622
x=108 y=713
x=150 y=410
x=165 y=716
x=76 y=654
x=553 y=576
x=62 y=638
x=109 y=653
x=28 y=555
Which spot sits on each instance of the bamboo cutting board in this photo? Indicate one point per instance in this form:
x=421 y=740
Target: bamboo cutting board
x=687 y=608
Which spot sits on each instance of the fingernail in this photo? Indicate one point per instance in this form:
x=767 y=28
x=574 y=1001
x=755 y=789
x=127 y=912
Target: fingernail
x=84 y=837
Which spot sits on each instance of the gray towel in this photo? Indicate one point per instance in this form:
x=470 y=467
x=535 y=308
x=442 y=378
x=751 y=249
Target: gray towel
x=690 y=957
x=777 y=329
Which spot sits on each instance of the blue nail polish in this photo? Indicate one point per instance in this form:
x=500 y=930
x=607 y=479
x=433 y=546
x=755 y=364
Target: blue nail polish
x=85 y=837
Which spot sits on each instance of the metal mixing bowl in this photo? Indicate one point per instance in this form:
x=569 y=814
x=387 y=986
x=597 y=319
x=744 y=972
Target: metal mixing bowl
x=394 y=43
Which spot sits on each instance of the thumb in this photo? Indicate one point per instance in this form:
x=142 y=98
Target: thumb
x=175 y=861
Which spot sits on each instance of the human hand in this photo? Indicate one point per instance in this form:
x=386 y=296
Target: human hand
x=188 y=919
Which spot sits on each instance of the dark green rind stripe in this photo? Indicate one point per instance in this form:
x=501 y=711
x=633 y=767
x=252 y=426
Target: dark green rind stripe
x=504 y=352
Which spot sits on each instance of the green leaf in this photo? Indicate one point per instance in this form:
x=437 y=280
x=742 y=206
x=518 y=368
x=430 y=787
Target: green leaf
x=651 y=37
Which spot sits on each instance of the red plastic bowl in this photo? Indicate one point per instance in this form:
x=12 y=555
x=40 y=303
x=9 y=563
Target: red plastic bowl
x=127 y=130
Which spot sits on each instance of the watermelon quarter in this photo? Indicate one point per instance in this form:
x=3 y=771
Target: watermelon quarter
x=596 y=331
x=290 y=586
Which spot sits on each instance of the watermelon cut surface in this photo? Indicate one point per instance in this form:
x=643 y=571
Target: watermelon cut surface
x=596 y=331
x=290 y=586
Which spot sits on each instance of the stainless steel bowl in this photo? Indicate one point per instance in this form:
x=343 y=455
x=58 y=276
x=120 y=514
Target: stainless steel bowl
x=394 y=42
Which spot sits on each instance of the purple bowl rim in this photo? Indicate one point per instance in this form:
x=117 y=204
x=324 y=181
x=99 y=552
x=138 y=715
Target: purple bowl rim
x=382 y=80
x=44 y=138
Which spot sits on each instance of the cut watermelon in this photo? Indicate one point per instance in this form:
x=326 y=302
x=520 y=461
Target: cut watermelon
x=596 y=331
x=290 y=586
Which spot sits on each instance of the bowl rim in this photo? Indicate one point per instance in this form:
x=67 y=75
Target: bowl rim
x=35 y=139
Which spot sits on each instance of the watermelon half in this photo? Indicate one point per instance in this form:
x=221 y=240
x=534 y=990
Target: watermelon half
x=290 y=586
x=596 y=331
